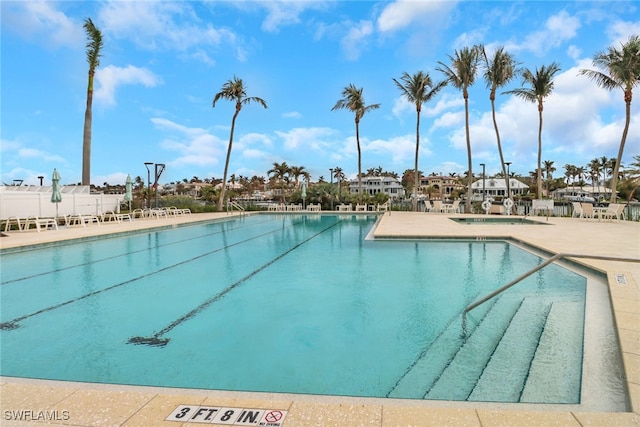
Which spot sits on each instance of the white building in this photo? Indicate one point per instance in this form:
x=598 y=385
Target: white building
x=588 y=193
x=497 y=187
x=373 y=185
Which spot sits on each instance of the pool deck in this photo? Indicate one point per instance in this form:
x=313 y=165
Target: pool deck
x=86 y=404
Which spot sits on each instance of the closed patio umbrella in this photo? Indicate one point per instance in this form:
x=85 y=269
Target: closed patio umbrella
x=304 y=193
x=127 y=192
x=56 y=196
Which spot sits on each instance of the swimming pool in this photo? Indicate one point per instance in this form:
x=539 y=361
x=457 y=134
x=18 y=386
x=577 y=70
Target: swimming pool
x=295 y=303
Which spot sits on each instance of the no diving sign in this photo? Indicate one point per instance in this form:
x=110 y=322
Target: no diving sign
x=228 y=416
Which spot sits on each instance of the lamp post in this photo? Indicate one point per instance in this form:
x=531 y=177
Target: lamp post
x=331 y=186
x=147 y=199
x=41 y=178
x=483 y=187
x=158 y=171
x=508 y=180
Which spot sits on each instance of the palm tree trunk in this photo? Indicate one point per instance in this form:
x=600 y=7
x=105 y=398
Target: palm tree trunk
x=226 y=163
x=415 y=170
x=616 y=167
x=359 y=163
x=539 y=172
x=504 y=169
x=470 y=177
x=86 y=139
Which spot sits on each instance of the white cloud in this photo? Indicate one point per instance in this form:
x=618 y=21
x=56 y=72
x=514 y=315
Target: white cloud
x=41 y=20
x=292 y=115
x=557 y=30
x=281 y=13
x=109 y=78
x=164 y=25
x=402 y=13
x=353 y=43
x=307 y=138
x=620 y=31
x=195 y=146
x=33 y=153
x=400 y=149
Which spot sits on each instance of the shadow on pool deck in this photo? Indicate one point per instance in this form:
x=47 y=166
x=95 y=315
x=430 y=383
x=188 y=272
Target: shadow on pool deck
x=83 y=404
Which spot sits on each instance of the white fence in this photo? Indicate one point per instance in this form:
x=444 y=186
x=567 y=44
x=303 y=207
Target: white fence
x=25 y=201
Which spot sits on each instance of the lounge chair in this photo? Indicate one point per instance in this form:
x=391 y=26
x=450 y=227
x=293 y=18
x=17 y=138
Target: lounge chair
x=40 y=223
x=437 y=206
x=453 y=207
x=383 y=207
x=613 y=210
x=587 y=209
x=577 y=210
x=137 y=213
x=14 y=221
x=427 y=206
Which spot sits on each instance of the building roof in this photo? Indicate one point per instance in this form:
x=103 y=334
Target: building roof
x=498 y=184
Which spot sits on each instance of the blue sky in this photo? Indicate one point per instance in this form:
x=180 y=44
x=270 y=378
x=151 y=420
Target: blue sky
x=163 y=62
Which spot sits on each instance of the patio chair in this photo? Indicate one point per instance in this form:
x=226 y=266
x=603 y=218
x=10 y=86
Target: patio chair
x=613 y=210
x=453 y=207
x=41 y=223
x=577 y=210
x=437 y=206
x=587 y=209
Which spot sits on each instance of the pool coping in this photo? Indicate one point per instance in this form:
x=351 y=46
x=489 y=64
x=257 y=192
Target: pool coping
x=102 y=404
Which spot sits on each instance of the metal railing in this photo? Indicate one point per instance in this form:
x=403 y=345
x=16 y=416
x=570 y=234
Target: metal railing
x=529 y=273
x=231 y=205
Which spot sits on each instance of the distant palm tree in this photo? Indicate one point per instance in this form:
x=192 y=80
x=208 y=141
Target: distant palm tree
x=539 y=86
x=94 y=45
x=280 y=173
x=233 y=90
x=618 y=69
x=297 y=172
x=549 y=169
x=499 y=70
x=418 y=89
x=353 y=101
x=462 y=75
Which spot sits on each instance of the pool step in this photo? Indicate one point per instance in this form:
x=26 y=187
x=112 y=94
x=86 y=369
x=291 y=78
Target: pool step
x=506 y=372
x=555 y=375
x=431 y=362
x=460 y=375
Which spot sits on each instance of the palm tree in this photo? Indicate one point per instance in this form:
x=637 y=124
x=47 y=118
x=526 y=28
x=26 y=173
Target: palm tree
x=233 y=90
x=353 y=101
x=280 y=172
x=618 y=69
x=539 y=86
x=499 y=70
x=297 y=172
x=549 y=169
x=462 y=75
x=418 y=89
x=94 y=45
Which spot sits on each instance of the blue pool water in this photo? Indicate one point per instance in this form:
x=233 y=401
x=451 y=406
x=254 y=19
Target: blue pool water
x=289 y=303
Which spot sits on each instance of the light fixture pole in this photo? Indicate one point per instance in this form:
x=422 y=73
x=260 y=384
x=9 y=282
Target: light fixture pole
x=508 y=180
x=147 y=199
x=41 y=178
x=483 y=187
x=331 y=186
x=159 y=170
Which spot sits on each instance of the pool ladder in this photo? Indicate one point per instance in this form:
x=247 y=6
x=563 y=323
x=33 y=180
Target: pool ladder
x=529 y=273
x=231 y=205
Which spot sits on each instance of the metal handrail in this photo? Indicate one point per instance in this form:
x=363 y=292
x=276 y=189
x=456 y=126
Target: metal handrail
x=529 y=273
x=231 y=205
